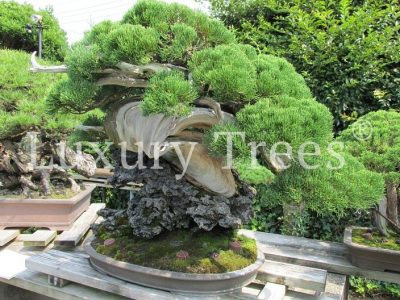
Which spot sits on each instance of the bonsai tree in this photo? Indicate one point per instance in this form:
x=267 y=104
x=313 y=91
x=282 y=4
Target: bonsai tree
x=14 y=18
x=375 y=140
x=170 y=76
x=29 y=136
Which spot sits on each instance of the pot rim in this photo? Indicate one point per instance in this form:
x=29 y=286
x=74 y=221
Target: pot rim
x=172 y=274
x=348 y=240
x=73 y=200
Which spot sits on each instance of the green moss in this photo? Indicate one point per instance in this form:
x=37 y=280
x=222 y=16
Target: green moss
x=377 y=240
x=64 y=194
x=160 y=252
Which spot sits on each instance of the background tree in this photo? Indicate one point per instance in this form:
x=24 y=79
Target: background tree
x=347 y=51
x=13 y=34
x=24 y=122
x=166 y=73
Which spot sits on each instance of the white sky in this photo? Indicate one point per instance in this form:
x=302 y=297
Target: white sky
x=77 y=16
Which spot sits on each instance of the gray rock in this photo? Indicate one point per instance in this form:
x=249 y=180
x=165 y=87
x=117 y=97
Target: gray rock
x=164 y=203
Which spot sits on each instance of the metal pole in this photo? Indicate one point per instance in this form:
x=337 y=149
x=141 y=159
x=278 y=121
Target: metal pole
x=40 y=34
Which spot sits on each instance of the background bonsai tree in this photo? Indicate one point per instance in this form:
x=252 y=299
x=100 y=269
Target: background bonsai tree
x=375 y=140
x=25 y=125
x=14 y=35
x=167 y=74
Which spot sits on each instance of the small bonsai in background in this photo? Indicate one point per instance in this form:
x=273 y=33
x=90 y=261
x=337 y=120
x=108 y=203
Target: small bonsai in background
x=375 y=140
x=30 y=137
x=167 y=74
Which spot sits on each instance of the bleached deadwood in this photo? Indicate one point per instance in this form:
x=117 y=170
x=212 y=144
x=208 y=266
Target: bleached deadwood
x=81 y=162
x=212 y=104
x=126 y=124
x=117 y=79
x=38 y=68
x=90 y=128
x=204 y=170
x=122 y=69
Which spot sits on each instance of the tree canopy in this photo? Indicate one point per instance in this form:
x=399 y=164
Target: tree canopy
x=13 y=34
x=170 y=58
x=348 y=51
x=23 y=99
x=375 y=140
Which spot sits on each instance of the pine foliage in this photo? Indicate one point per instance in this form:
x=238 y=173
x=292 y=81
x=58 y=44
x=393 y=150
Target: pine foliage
x=375 y=140
x=22 y=99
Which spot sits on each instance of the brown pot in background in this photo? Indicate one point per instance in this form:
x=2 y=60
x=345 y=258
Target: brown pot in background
x=371 y=258
x=55 y=214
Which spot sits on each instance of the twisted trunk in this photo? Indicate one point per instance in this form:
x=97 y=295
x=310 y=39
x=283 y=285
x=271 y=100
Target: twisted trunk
x=126 y=124
x=30 y=164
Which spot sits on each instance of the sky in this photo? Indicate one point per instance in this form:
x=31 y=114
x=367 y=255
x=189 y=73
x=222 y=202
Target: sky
x=77 y=16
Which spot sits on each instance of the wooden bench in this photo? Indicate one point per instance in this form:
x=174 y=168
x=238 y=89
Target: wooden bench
x=329 y=256
x=42 y=238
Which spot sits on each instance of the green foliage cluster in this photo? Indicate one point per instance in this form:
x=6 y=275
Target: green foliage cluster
x=22 y=98
x=347 y=51
x=13 y=35
x=324 y=189
x=374 y=288
x=226 y=72
x=152 y=31
x=286 y=119
x=169 y=93
x=375 y=140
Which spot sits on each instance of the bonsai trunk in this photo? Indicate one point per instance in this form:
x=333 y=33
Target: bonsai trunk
x=17 y=168
x=392 y=202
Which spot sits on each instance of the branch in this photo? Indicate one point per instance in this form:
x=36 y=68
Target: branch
x=90 y=128
x=144 y=71
x=38 y=68
x=136 y=71
x=393 y=224
x=122 y=81
x=212 y=104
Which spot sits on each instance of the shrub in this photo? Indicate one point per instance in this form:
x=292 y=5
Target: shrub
x=347 y=51
x=375 y=140
x=22 y=98
x=13 y=35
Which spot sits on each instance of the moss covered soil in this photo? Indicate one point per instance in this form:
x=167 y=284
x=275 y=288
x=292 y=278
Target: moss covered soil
x=61 y=194
x=377 y=240
x=209 y=252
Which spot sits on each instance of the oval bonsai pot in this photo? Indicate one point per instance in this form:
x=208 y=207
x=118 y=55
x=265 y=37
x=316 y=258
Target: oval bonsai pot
x=178 y=282
x=55 y=214
x=371 y=258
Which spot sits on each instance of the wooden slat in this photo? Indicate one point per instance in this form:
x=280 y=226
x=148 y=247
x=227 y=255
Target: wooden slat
x=74 y=235
x=103 y=173
x=338 y=285
x=102 y=182
x=37 y=283
x=333 y=264
x=76 y=268
x=272 y=291
x=290 y=295
x=278 y=240
x=332 y=257
x=7 y=236
x=293 y=276
x=40 y=238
